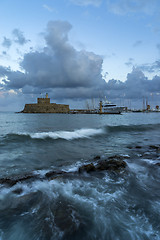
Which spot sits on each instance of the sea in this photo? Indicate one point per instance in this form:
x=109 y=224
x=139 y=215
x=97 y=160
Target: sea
x=44 y=196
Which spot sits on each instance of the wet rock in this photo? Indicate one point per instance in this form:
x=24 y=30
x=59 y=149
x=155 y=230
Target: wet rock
x=8 y=181
x=138 y=147
x=130 y=147
x=53 y=174
x=50 y=174
x=87 y=168
x=18 y=191
x=97 y=157
x=112 y=165
x=13 y=180
x=156 y=147
x=70 y=220
x=25 y=202
x=66 y=218
x=157 y=164
x=118 y=157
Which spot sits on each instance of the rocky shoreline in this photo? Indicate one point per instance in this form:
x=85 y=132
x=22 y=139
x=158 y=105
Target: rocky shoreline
x=113 y=163
x=68 y=218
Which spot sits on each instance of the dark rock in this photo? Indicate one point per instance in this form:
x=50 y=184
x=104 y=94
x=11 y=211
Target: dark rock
x=13 y=180
x=73 y=222
x=97 y=157
x=138 y=147
x=155 y=147
x=27 y=201
x=18 y=191
x=52 y=174
x=8 y=181
x=112 y=165
x=64 y=218
x=87 y=168
x=118 y=157
x=157 y=164
x=26 y=177
x=130 y=147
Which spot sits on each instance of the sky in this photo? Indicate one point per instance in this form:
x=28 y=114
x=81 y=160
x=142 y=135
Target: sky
x=79 y=51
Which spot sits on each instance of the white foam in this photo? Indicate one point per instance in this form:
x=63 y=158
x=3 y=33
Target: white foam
x=150 y=161
x=72 y=168
x=67 y=135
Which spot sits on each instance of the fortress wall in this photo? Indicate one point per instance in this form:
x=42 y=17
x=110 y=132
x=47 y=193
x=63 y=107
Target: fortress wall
x=46 y=108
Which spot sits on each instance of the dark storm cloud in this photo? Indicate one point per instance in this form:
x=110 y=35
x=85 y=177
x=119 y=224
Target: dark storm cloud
x=18 y=78
x=4 y=71
x=136 y=86
x=6 y=42
x=58 y=66
x=19 y=37
x=66 y=73
x=150 y=67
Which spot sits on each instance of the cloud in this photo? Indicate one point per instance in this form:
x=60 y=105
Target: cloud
x=130 y=62
x=19 y=37
x=136 y=86
x=4 y=53
x=66 y=73
x=59 y=68
x=137 y=43
x=49 y=9
x=95 y=3
x=150 y=67
x=122 y=7
x=158 y=46
x=6 y=42
x=146 y=67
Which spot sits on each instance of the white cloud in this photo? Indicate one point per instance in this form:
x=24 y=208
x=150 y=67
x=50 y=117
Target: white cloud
x=122 y=7
x=59 y=66
x=48 y=8
x=137 y=43
x=6 y=42
x=95 y=3
x=19 y=37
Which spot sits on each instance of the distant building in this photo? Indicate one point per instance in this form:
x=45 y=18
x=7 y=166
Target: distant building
x=43 y=105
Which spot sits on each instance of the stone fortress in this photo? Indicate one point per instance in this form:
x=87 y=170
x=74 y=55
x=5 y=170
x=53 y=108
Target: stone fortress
x=43 y=105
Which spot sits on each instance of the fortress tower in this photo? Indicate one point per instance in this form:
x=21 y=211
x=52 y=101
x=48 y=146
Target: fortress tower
x=45 y=100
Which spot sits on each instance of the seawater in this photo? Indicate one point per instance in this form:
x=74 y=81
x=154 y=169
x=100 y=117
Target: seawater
x=105 y=205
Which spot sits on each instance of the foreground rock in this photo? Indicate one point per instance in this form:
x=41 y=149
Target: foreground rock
x=113 y=163
x=110 y=165
x=87 y=168
x=13 y=180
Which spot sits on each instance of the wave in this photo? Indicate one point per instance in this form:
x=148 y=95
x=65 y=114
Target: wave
x=81 y=133
x=66 y=135
x=132 y=128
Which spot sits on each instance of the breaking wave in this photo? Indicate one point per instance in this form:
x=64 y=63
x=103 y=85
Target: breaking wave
x=81 y=133
x=66 y=135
